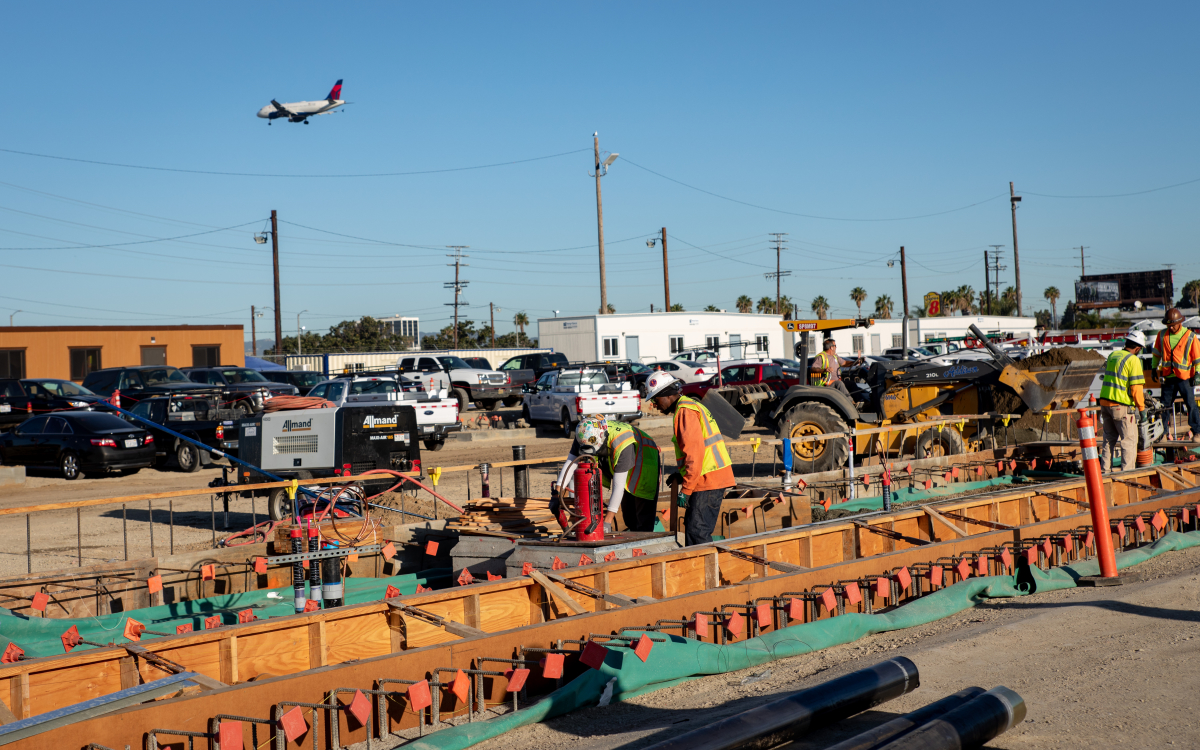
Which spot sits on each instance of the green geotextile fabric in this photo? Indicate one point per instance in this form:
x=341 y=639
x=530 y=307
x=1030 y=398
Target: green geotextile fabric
x=41 y=636
x=918 y=494
x=679 y=659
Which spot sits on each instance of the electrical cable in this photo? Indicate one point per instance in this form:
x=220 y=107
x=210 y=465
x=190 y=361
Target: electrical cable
x=1114 y=195
x=137 y=242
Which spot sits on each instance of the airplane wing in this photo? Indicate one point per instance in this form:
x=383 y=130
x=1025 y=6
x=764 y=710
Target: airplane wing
x=282 y=108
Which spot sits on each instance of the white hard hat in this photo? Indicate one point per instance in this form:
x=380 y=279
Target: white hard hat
x=1136 y=337
x=591 y=434
x=659 y=382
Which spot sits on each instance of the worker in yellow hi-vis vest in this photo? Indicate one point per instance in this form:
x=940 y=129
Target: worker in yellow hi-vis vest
x=704 y=469
x=629 y=467
x=1122 y=403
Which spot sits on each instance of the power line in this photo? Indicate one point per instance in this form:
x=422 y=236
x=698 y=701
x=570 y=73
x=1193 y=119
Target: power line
x=137 y=242
x=1116 y=195
x=457 y=285
x=258 y=174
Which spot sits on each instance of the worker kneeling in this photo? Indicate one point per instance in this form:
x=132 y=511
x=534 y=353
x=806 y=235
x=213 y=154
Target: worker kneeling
x=705 y=470
x=1122 y=403
x=629 y=467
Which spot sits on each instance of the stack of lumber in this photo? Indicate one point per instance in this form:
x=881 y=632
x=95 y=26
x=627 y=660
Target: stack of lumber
x=505 y=516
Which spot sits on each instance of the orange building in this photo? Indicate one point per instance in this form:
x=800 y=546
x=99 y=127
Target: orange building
x=71 y=352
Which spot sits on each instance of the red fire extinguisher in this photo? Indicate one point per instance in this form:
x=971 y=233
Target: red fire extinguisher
x=587 y=503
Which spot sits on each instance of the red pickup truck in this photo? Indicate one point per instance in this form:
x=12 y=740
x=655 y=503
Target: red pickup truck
x=750 y=373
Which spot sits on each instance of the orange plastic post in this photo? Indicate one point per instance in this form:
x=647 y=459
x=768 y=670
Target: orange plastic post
x=1096 y=498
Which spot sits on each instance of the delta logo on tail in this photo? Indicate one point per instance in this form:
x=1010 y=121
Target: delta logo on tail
x=301 y=111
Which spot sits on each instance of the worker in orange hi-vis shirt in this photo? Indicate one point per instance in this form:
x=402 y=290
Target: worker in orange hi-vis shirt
x=1176 y=358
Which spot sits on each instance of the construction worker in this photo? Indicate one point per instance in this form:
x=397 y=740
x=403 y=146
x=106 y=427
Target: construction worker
x=1176 y=357
x=629 y=467
x=826 y=368
x=1122 y=403
x=704 y=470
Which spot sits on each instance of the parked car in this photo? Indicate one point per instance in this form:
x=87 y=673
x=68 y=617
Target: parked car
x=136 y=383
x=465 y=383
x=917 y=353
x=696 y=356
x=479 y=363
x=566 y=396
x=539 y=363
x=685 y=370
x=242 y=389
x=744 y=373
x=303 y=380
x=624 y=371
x=21 y=399
x=436 y=412
x=78 y=442
x=196 y=417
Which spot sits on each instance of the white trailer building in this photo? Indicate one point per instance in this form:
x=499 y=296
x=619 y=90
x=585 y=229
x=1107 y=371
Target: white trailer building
x=885 y=334
x=647 y=337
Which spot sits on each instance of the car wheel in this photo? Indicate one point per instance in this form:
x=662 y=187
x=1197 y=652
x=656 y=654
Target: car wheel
x=488 y=404
x=242 y=408
x=526 y=415
x=277 y=505
x=462 y=397
x=512 y=400
x=814 y=419
x=566 y=423
x=188 y=457
x=68 y=464
x=434 y=445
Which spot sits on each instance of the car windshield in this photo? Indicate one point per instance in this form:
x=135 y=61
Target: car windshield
x=591 y=377
x=374 y=386
x=924 y=350
x=161 y=375
x=307 y=379
x=635 y=367
x=56 y=387
x=454 y=363
x=243 y=375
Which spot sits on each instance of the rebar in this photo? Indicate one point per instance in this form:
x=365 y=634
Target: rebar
x=171 y=510
x=150 y=506
x=125 y=530
x=29 y=546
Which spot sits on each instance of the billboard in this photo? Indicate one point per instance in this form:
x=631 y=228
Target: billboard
x=1124 y=290
x=1097 y=293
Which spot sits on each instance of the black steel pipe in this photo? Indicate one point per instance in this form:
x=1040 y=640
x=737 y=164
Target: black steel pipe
x=786 y=719
x=520 y=474
x=872 y=739
x=970 y=725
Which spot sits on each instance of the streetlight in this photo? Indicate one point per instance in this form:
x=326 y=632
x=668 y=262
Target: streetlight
x=10 y=317
x=556 y=312
x=299 y=334
x=601 y=170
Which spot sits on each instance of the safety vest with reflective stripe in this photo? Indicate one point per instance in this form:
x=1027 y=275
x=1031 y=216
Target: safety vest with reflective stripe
x=826 y=375
x=1178 y=361
x=642 y=479
x=716 y=455
x=1122 y=371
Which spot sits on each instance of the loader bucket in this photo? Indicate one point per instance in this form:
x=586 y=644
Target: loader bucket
x=1052 y=387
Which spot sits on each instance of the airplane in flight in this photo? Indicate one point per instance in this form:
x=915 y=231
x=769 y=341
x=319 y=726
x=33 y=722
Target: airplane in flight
x=301 y=111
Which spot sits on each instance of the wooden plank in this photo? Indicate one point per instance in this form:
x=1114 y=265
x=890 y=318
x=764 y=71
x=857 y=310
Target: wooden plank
x=658 y=580
x=471 y=616
x=229 y=661
x=358 y=637
x=18 y=696
x=933 y=514
x=557 y=592
x=396 y=632
x=316 y=644
x=130 y=677
x=712 y=570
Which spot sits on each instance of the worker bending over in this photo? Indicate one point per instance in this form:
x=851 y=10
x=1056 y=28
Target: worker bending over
x=1176 y=357
x=826 y=368
x=703 y=467
x=1122 y=403
x=629 y=467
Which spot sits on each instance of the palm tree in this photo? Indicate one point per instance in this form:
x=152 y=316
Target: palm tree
x=820 y=306
x=785 y=306
x=1008 y=301
x=766 y=305
x=1191 y=292
x=744 y=304
x=1052 y=294
x=711 y=308
x=949 y=302
x=883 y=307
x=677 y=307
x=966 y=299
x=520 y=320
x=611 y=309
x=858 y=295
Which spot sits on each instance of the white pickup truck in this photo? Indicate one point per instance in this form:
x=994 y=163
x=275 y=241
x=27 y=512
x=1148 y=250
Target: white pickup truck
x=468 y=385
x=566 y=396
x=437 y=413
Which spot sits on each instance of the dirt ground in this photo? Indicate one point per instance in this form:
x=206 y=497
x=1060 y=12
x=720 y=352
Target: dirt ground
x=59 y=539
x=1109 y=667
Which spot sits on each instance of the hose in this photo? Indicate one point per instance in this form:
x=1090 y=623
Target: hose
x=292 y=403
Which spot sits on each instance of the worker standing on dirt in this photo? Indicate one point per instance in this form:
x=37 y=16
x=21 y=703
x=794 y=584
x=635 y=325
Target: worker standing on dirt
x=629 y=467
x=1176 y=357
x=826 y=368
x=1122 y=403
x=704 y=470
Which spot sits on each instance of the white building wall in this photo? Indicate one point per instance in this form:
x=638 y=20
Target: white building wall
x=584 y=338
x=889 y=331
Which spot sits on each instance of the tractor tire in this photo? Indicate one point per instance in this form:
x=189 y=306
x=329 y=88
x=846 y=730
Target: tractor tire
x=462 y=397
x=935 y=443
x=814 y=419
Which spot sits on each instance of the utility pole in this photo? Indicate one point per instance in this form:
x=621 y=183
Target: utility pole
x=275 y=263
x=492 y=310
x=253 y=334
x=600 y=227
x=1082 y=272
x=779 y=243
x=457 y=285
x=997 y=268
x=666 y=276
x=1013 y=200
x=904 y=294
x=987 y=284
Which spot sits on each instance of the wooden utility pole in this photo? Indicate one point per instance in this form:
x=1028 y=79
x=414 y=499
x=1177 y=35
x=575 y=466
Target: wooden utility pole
x=666 y=276
x=275 y=263
x=779 y=242
x=1013 y=200
x=457 y=284
x=987 y=283
x=1082 y=272
x=253 y=334
x=600 y=228
x=492 y=311
x=904 y=294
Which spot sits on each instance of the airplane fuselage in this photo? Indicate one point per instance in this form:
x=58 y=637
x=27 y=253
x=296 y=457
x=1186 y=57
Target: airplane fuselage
x=297 y=111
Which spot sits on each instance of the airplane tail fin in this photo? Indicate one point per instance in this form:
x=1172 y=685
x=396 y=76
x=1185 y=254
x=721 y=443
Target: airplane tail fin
x=336 y=91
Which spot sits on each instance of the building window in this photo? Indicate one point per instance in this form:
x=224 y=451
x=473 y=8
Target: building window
x=762 y=342
x=610 y=346
x=206 y=356
x=856 y=343
x=12 y=363
x=676 y=344
x=896 y=339
x=83 y=362
x=712 y=342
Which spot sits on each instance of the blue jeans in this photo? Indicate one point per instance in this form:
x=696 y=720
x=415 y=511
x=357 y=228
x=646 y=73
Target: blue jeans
x=1173 y=387
x=703 y=512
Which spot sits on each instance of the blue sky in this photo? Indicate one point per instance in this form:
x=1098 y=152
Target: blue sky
x=852 y=112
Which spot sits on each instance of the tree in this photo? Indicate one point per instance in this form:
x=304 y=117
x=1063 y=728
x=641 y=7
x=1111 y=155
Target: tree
x=520 y=320
x=744 y=304
x=858 y=295
x=1043 y=318
x=949 y=302
x=363 y=335
x=711 y=308
x=1191 y=292
x=1052 y=294
x=966 y=299
x=1068 y=318
x=677 y=307
x=785 y=306
x=766 y=305
x=820 y=306
x=917 y=312
x=612 y=309
x=883 y=307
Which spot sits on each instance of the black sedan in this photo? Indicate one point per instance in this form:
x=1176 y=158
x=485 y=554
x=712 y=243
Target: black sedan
x=78 y=442
x=21 y=399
